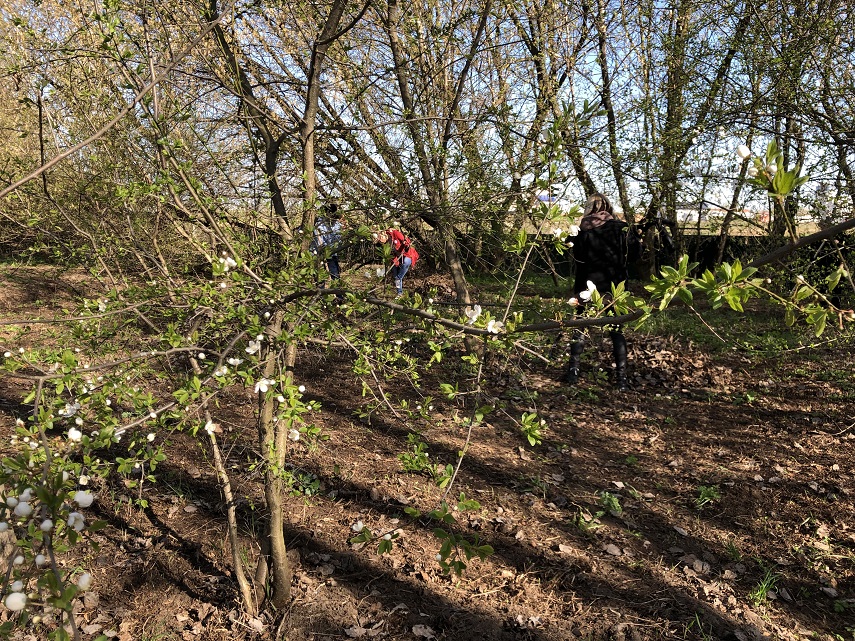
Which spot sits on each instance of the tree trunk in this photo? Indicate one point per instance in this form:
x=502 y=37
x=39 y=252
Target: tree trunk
x=273 y=444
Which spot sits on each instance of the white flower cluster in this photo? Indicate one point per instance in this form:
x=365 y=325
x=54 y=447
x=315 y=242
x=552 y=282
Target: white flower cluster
x=263 y=385
x=585 y=295
x=69 y=410
x=20 y=506
x=562 y=235
x=227 y=262
x=770 y=170
x=472 y=313
x=495 y=326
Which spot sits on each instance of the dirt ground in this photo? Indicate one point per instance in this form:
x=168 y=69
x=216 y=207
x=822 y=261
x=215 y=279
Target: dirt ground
x=714 y=500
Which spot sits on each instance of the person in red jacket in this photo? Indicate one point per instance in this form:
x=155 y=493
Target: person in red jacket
x=404 y=255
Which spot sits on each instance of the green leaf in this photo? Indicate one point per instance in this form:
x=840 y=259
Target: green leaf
x=790 y=316
x=685 y=295
x=819 y=322
x=834 y=279
x=802 y=293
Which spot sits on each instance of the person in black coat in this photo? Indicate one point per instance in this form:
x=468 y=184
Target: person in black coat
x=602 y=250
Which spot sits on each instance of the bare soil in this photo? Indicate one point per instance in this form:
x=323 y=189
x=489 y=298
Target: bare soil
x=770 y=557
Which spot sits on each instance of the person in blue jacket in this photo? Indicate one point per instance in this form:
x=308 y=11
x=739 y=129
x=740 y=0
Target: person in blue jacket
x=327 y=239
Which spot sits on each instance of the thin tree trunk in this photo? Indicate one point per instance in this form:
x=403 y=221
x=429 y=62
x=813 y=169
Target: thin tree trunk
x=606 y=95
x=273 y=444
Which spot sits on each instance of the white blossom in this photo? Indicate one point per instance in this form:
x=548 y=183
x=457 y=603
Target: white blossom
x=558 y=232
x=84 y=581
x=150 y=437
x=40 y=560
x=19 y=423
x=16 y=601
x=253 y=347
x=586 y=295
x=69 y=410
x=573 y=302
x=26 y=495
x=234 y=362
x=17 y=586
x=472 y=313
x=23 y=509
x=74 y=435
x=11 y=501
x=201 y=356
x=301 y=389
x=46 y=526
x=772 y=169
x=387 y=537
x=76 y=521
x=18 y=560
x=78 y=421
x=221 y=371
x=7 y=354
x=495 y=326
x=743 y=151
x=263 y=385
x=381 y=272
x=83 y=498
x=752 y=171
x=293 y=435
x=84 y=480
x=357 y=527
